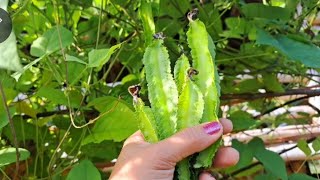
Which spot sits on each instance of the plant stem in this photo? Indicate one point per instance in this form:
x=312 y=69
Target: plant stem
x=13 y=131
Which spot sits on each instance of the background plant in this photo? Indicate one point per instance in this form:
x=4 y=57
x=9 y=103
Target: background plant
x=65 y=108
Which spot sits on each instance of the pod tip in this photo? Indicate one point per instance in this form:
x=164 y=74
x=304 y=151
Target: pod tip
x=193 y=14
x=159 y=35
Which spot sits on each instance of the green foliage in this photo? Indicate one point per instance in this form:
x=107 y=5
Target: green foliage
x=8 y=155
x=303 y=146
x=242 y=120
x=292 y=48
x=61 y=71
x=298 y=176
x=84 y=170
x=258 y=10
x=52 y=40
x=271 y=161
x=316 y=144
x=98 y=57
x=9 y=58
x=116 y=121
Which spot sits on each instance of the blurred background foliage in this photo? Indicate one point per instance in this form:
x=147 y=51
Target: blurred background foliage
x=68 y=100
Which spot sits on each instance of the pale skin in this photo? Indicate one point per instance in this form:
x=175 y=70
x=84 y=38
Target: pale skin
x=140 y=160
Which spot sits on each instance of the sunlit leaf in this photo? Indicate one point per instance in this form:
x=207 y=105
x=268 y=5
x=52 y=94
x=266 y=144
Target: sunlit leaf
x=303 y=146
x=98 y=57
x=316 y=144
x=9 y=58
x=116 y=121
x=54 y=39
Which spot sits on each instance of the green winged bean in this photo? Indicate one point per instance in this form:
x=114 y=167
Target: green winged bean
x=198 y=40
x=162 y=90
x=145 y=116
x=180 y=71
x=190 y=109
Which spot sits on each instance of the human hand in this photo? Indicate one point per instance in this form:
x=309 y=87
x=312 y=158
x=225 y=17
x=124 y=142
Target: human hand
x=141 y=160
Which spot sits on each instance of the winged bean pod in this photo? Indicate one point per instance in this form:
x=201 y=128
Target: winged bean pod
x=197 y=36
x=144 y=115
x=180 y=71
x=162 y=90
x=190 y=109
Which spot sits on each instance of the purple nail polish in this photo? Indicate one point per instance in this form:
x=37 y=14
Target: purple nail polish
x=212 y=128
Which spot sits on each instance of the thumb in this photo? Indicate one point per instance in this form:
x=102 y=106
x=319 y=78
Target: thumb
x=189 y=141
x=135 y=138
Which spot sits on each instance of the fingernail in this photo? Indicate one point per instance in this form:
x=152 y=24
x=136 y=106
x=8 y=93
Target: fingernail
x=212 y=128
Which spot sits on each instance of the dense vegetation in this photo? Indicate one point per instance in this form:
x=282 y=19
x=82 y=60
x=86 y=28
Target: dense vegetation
x=66 y=72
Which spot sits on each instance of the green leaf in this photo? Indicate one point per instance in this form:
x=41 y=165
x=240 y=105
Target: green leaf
x=9 y=58
x=241 y=120
x=258 y=10
x=52 y=40
x=57 y=96
x=75 y=71
x=267 y=176
x=248 y=85
x=298 y=176
x=256 y=144
x=316 y=144
x=307 y=54
x=303 y=146
x=237 y=27
x=106 y=150
x=83 y=3
x=24 y=130
x=272 y=162
x=8 y=155
x=25 y=108
x=146 y=16
x=246 y=154
x=272 y=83
x=116 y=121
x=84 y=171
x=74 y=59
x=98 y=57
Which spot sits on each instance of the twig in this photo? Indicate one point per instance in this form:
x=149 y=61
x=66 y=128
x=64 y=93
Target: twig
x=252 y=96
x=314 y=107
x=280 y=106
x=13 y=131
